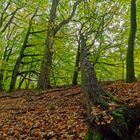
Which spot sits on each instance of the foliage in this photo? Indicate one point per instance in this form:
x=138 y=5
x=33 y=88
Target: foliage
x=107 y=29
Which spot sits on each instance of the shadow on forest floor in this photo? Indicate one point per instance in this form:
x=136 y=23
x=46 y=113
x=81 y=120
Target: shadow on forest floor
x=56 y=114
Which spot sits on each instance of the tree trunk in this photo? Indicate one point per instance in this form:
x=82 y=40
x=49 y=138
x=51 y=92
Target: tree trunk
x=46 y=65
x=21 y=55
x=76 y=69
x=1 y=79
x=22 y=80
x=130 y=73
x=5 y=59
x=45 y=73
x=92 y=90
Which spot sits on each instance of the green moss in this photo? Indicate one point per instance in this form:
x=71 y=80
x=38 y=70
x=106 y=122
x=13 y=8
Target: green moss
x=118 y=114
x=121 y=123
x=95 y=135
x=88 y=135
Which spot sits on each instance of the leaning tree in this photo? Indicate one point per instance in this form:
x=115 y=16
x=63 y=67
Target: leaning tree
x=109 y=118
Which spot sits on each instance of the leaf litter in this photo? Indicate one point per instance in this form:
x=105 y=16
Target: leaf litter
x=55 y=114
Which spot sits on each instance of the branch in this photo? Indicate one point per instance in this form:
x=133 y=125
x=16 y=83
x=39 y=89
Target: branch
x=2 y=15
x=30 y=62
x=115 y=65
x=64 y=22
x=30 y=71
x=26 y=55
x=31 y=45
x=10 y=20
x=35 y=32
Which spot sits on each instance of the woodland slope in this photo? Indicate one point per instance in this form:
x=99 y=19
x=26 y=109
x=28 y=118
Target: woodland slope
x=55 y=114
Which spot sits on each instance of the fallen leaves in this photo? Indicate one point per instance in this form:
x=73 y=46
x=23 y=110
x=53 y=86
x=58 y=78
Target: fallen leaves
x=53 y=115
x=56 y=114
x=126 y=92
x=101 y=117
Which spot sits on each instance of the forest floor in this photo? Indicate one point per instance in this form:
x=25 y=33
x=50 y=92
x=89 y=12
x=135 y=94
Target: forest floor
x=56 y=114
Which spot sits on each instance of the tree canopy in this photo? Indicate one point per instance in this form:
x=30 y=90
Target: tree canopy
x=107 y=24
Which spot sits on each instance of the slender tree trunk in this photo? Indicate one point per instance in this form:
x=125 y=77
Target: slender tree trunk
x=5 y=59
x=18 y=62
x=22 y=80
x=15 y=73
x=76 y=69
x=130 y=73
x=123 y=65
x=1 y=79
x=21 y=55
x=29 y=76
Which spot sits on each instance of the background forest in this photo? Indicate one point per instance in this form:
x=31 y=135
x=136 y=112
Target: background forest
x=27 y=28
x=70 y=51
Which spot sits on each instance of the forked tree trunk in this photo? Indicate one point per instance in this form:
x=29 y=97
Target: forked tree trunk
x=119 y=122
x=46 y=65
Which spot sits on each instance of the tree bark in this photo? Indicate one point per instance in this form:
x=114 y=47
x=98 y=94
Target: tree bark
x=92 y=89
x=130 y=73
x=45 y=71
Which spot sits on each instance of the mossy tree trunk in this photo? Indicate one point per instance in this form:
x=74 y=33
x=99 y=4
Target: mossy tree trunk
x=91 y=88
x=15 y=72
x=45 y=70
x=106 y=122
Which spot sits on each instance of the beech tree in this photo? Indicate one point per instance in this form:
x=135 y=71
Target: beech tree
x=117 y=122
x=130 y=73
x=21 y=55
x=53 y=29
